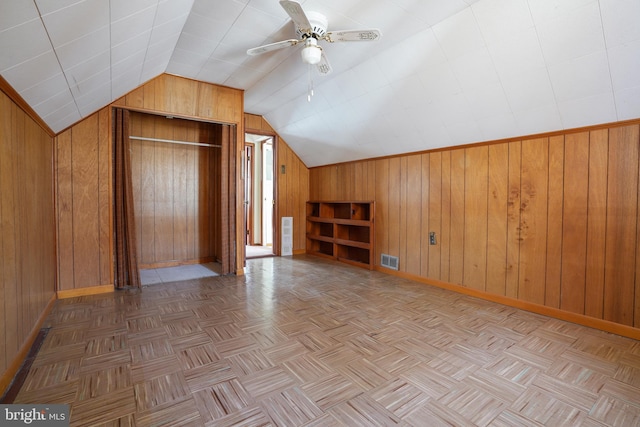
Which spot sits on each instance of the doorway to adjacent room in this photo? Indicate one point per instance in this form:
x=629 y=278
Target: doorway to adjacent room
x=259 y=193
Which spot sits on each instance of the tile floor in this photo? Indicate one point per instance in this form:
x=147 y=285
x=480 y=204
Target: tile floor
x=303 y=341
x=153 y=276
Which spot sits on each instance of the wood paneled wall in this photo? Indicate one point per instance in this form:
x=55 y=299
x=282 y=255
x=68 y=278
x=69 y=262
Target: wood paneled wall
x=27 y=232
x=84 y=203
x=176 y=191
x=84 y=172
x=172 y=95
x=550 y=220
x=292 y=185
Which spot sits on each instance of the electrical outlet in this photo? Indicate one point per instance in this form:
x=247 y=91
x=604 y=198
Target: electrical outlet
x=432 y=238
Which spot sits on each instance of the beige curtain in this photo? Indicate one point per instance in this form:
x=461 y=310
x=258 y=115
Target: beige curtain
x=126 y=258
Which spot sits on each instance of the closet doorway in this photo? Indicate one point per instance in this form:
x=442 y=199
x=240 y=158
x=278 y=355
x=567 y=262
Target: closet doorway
x=259 y=203
x=181 y=188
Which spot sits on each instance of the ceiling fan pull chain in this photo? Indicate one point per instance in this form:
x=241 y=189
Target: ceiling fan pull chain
x=310 y=86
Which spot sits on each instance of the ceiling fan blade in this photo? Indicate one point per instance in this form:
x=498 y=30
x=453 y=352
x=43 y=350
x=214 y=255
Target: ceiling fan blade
x=295 y=11
x=324 y=67
x=272 y=46
x=353 y=35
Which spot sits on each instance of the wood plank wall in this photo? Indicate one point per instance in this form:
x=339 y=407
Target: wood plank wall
x=27 y=232
x=172 y=95
x=176 y=191
x=84 y=203
x=550 y=220
x=292 y=186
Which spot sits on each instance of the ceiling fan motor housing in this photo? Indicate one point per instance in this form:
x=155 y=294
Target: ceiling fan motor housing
x=319 y=26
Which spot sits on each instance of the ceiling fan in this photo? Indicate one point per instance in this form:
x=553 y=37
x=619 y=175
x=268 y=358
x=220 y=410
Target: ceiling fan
x=311 y=27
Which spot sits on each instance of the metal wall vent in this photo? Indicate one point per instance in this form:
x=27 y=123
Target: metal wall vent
x=389 y=261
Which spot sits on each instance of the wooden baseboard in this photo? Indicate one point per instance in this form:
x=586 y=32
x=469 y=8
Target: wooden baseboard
x=299 y=251
x=16 y=363
x=81 y=292
x=580 y=319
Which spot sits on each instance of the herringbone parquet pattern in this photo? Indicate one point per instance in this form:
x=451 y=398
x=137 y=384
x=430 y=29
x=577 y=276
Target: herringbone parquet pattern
x=302 y=341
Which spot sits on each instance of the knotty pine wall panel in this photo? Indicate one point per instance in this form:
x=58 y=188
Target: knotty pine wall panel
x=550 y=220
x=533 y=219
x=476 y=173
x=413 y=178
x=621 y=231
x=434 y=215
x=574 y=228
x=596 y=223
x=553 y=269
x=425 y=213
x=27 y=231
x=497 y=218
x=456 y=241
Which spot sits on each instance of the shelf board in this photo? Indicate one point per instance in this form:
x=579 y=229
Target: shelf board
x=358 y=222
x=321 y=219
x=320 y=238
x=352 y=243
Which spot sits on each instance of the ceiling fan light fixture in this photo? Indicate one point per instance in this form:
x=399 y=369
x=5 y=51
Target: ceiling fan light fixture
x=311 y=53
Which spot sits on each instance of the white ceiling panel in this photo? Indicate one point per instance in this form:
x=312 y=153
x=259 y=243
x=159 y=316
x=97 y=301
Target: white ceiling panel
x=500 y=19
x=77 y=51
x=445 y=72
x=624 y=63
x=475 y=69
x=627 y=103
x=569 y=80
x=98 y=64
x=517 y=54
x=75 y=21
x=620 y=21
x=22 y=43
x=545 y=118
x=531 y=89
x=588 y=110
x=31 y=72
x=45 y=89
x=17 y=13
x=132 y=26
x=572 y=35
x=459 y=35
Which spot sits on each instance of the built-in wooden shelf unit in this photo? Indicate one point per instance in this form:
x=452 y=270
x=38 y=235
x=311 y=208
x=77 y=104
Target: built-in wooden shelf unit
x=341 y=230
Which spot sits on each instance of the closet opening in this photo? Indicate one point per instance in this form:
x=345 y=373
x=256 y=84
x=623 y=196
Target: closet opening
x=183 y=187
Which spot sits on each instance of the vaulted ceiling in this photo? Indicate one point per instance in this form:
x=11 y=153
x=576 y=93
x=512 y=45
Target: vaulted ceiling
x=444 y=73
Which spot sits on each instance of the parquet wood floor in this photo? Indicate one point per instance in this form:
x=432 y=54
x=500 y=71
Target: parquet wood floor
x=304 y=341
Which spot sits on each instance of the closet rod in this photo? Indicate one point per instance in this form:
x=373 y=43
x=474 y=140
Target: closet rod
x=171 y=141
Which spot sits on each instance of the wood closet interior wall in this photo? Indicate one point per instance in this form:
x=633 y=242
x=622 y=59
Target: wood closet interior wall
x=27 y=232
x=176 y=191
x=550 y=220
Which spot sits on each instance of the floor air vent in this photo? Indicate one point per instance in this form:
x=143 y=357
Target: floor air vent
x=389 y=261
